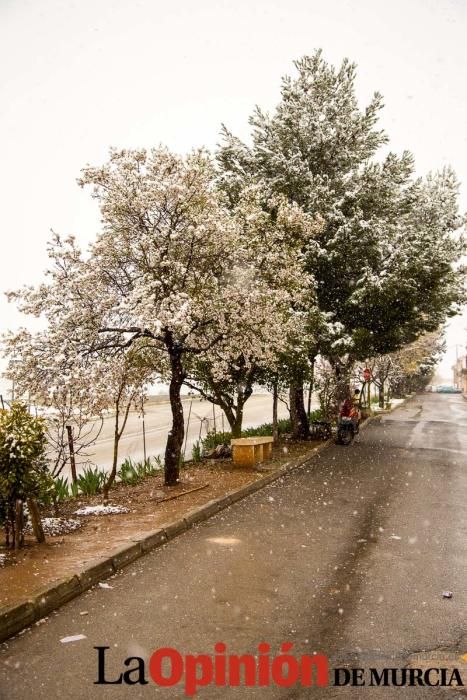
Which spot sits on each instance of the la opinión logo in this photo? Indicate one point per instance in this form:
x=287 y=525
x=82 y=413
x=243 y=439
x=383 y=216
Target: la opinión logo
x=167 y=668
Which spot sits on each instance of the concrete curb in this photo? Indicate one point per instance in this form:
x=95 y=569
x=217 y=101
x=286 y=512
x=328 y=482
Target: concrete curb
x=56 y=594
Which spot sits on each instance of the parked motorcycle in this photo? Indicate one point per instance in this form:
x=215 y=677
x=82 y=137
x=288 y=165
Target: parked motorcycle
x=347 y=422
x=347 y=428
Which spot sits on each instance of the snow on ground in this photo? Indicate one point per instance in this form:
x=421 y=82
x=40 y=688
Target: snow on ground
x=101 y=510
x=57 y=526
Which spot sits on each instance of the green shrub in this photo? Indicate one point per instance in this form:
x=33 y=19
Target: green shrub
x=148 y=467
x=258 y=431
x=132 y=473
x=24 y=472
x=283 y=426
x=61 y=489
x=143 y=469
x=212 y=440
x=158 y=466
x=196 y=452
x=128 y=473
x=317 y=414
x=91 y=481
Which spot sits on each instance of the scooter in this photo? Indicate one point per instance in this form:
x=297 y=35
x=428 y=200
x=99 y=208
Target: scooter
x=347 y=428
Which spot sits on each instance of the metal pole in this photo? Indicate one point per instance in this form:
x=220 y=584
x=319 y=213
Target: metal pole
x=214 y=416
x=187 y=427
x=144 y=427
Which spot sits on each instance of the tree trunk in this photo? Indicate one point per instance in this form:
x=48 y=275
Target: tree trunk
x=312 y=382
x=300 y=425
x=118 y=432
x=113 y=472
x=36 y=520
x=19 y=524
x=229 y=414
x=7 y=532
x=275 y=397
x=381 y=395
x=9 y=525
x=234 y=414
x=237 y=424
x=71 y=446
x=174 y=445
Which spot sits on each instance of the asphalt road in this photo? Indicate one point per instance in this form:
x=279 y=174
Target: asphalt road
x=347 y=556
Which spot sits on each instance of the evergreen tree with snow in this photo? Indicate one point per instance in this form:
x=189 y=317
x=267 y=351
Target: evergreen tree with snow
x=384 y=260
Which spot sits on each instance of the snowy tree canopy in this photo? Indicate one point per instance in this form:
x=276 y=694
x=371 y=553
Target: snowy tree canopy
x=158 y=272
x=385 y=257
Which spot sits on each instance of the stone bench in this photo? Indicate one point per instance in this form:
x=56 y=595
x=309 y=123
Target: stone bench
x=246 y=452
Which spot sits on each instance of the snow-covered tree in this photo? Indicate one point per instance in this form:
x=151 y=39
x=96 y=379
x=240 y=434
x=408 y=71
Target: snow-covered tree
x=57 y=382
x=77 y=389
x=158 y=270
x=384 y=261
x=414 y=365
x=121 y=379
x=315 y=138
x=307 y=150
x=269 y=293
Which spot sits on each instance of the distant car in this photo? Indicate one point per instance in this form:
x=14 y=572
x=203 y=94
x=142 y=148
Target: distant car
x=448 y=389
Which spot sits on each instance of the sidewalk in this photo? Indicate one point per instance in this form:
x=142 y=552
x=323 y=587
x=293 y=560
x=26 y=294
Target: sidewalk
x=46 y=576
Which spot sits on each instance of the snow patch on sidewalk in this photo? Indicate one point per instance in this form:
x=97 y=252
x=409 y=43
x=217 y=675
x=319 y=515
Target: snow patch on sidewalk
x=101 y=510
x=57 y=526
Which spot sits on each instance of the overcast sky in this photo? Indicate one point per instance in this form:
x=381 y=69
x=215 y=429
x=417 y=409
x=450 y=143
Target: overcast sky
x=79 y=77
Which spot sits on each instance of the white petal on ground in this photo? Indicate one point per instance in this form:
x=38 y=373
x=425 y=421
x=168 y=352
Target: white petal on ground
x=73 y=638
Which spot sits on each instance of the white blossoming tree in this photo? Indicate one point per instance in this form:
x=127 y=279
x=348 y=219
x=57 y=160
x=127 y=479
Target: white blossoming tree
x=47 y=375
x=158 y=270
x=121 y=378
x=268 y=293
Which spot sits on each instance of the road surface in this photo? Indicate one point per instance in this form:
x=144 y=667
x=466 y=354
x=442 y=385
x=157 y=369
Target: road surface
x=347 y=556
